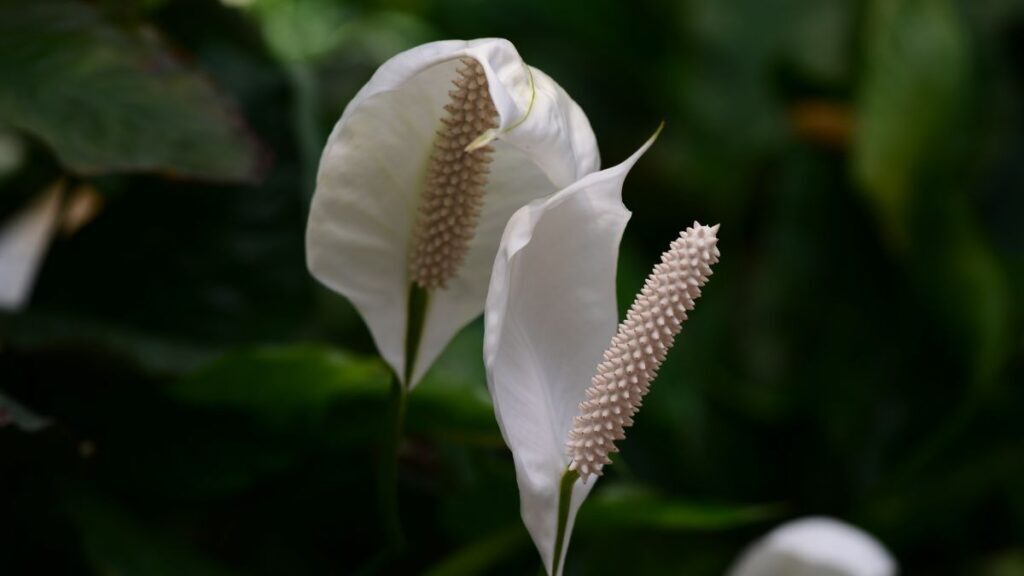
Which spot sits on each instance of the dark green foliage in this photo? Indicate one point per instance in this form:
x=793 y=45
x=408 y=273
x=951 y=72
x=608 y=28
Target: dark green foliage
x=858 y=353
x=107 y=99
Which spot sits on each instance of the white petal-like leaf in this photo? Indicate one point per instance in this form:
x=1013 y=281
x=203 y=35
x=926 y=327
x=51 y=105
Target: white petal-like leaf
x=373 y=170
x=816 y=547
x=24 y=241
x=13 y=412
x=550 y=313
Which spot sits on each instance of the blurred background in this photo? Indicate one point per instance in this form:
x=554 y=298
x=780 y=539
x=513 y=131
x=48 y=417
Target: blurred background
x=179 y=396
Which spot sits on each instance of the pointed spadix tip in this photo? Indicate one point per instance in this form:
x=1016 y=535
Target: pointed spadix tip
x=698 y=230
x=638 y=348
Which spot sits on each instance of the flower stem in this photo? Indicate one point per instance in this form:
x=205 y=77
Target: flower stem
x=389 y=466
x=395 y=422
x=419 y=298
x=564 y=500
x=307 y=133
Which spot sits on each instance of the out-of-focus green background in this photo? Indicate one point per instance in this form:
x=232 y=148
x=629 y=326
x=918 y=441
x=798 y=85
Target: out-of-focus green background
x=859 y=352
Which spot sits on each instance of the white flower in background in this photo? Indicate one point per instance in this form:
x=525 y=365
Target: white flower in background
x=24 y=241
x=14 y=412
x=551 y=313
x=418 y=179
x=816 y=547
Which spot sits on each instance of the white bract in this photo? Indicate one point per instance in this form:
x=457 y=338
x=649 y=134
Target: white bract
x=419 y=177
x=24 y=241
x=815 y=547
x=561 y=384
x=13 y=412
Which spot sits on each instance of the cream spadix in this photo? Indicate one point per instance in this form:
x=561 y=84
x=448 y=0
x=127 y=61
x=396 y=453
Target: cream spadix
x=419 y=177
x=550 y=314
x=456 y=175
x=639 y=347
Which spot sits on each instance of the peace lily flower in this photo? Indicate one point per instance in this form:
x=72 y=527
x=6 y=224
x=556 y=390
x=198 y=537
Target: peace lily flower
x=418 y=179
x=24 y=241
x=816 y=547
x=14 y=412
x=549 y=318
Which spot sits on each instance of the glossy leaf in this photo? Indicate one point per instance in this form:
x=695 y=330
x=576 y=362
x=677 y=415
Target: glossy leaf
x=625 y=507
x=298 y=385
x=112 y=100
x=117 y=543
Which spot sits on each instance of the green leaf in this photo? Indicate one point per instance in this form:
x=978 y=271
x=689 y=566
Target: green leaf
x=625 y=507
x=482 y=555
x=301 y=30
x=282 y=386
x=151 y=352
x=976 y=296
x=112 y=100
x=917 y=72
x=820 y=39
x=907 y=154
x=1006 y=563
x=117 y=543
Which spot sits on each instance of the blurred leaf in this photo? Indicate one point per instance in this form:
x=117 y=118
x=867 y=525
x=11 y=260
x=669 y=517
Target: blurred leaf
x=300 y=30
x=299 y=384
x=129 y=10
x=110 y=100
x=454 y=415
x=976 y=295
x=153 y=353
x=917 y=58
x=626 y=507
x=482 y=555
x=283 y=384
x=381 y=35
x=819 y=44
x=117 y=544
x=1009 y=563
x=212 y=268
x=308 y=30
x=910 y=110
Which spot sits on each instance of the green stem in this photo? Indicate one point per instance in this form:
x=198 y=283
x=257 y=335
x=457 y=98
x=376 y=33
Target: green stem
x=389 y=465
x=564 y=500
x=419 y=299
x=392 y=437
x=304 y=123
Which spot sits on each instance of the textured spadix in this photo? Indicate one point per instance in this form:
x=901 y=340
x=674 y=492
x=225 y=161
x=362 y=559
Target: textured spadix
x=639 y=347
x=816 y=547
x=382 y=176
x=550 y=312
x=453 y=193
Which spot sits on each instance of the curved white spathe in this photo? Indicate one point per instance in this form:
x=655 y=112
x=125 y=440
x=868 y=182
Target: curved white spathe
x=816 y=547
x=24 y=241
x=550 y=313
x=373 y=169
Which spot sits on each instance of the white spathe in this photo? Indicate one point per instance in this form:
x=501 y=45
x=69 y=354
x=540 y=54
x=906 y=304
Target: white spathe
x=13 y=412
x=550 y=313
x=373 y=169
x=24 y=241
x=816 y=546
